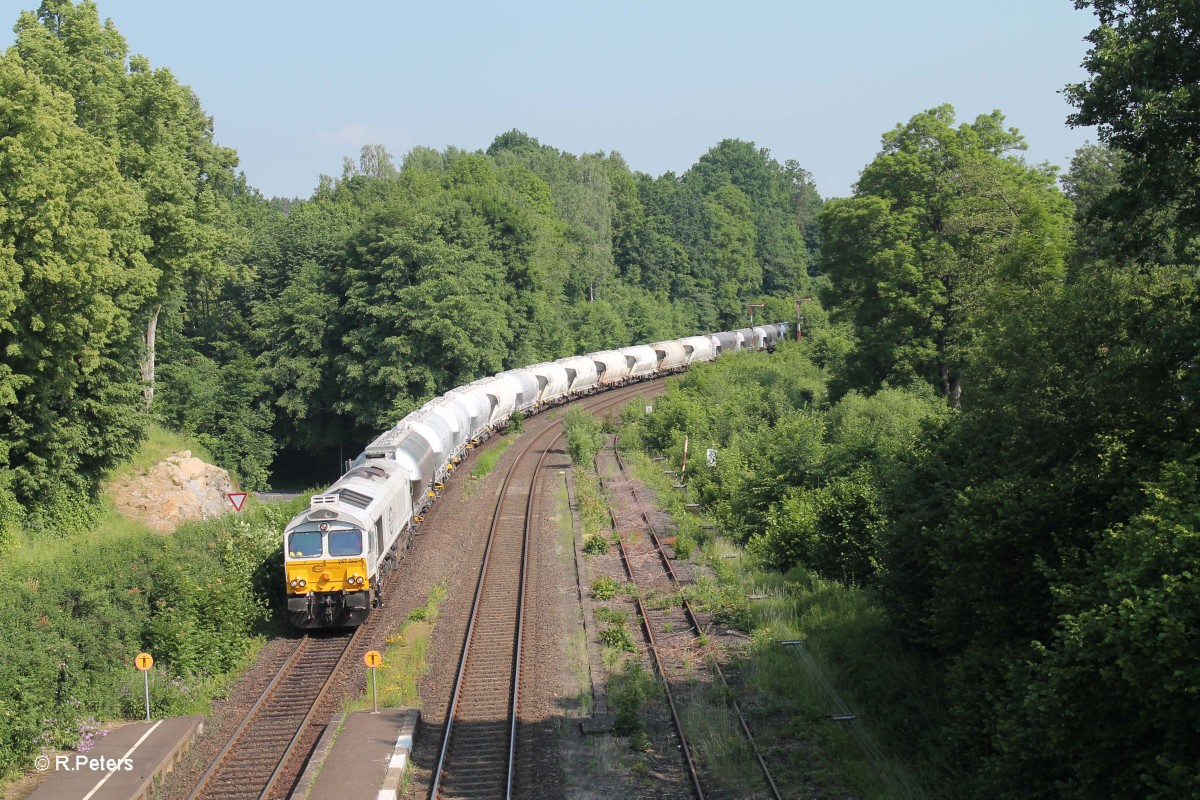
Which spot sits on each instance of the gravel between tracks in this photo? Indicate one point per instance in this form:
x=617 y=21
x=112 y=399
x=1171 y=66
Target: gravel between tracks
x=448 y=548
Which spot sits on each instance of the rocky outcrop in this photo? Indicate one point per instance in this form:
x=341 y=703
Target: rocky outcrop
x=178 y=489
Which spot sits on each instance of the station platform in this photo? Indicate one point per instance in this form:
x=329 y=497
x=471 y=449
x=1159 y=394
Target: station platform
x=122 y=765
x=360 y=755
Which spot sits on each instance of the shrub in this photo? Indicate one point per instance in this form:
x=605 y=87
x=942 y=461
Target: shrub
x=683 y=546
x=595 y=544
x=612 y=616
x=631 y=689
x=604 y=588
x=584 y=437
x=618 y=637
x=195 y=600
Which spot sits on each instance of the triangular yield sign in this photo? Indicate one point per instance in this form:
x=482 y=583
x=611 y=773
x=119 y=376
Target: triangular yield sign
x=238 y=499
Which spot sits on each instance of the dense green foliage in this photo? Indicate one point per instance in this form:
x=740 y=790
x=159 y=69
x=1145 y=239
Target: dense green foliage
x=193 y=599
x=113 y=210
x=394 y=284
x=991 y=425
x=1038 y=548
x=796 y=478
x=943 y=228
x=142 y=273
x=584 y=437
x=1144 y=65
x=1038 y=543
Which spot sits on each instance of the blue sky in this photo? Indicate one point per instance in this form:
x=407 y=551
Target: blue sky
x=295 y=86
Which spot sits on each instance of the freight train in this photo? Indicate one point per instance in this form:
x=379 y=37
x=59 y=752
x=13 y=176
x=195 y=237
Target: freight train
x=339 y=550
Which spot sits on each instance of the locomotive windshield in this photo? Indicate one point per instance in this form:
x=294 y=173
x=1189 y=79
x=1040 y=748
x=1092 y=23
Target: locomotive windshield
x=304 y=544
x=345 y=543
x=308 y=544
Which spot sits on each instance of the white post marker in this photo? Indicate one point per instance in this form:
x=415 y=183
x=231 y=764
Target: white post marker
x=373 y=660
x=144 y=662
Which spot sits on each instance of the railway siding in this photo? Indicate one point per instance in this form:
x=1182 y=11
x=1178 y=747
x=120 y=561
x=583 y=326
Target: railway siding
x=684 y=649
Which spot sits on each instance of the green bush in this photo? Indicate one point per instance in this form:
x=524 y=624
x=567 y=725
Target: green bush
x=683 y=545
x=195 y=600
x=612 y=616
x=11 y=512
x=584 y=436
x=604 y=588
x=595 y=544
x=618 y=637
x=632 y=688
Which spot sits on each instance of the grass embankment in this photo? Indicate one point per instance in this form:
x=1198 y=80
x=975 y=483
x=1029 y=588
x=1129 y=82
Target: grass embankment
x=486 y=460
x=82 y=605
x=404 y=660
x=846 y=662
x=160 y=442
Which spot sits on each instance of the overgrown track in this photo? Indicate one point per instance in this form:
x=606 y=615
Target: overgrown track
x=663 y=620
x=251 y=765
x=477 y=756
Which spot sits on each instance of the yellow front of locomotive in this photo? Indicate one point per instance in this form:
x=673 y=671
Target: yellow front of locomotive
x=325 y=563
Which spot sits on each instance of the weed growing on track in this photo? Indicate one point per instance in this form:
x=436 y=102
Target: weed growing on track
x=616 y=635
x=595 y=544
x=849 y=661
x=715 y=737
x=631 y=689
x=604 y=588
x=593 y=514
x=486 y=460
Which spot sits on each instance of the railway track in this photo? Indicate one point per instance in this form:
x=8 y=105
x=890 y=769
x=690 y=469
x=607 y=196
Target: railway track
x=662 y=628
x=478 y=748
x=260 y=760
x=252 y=764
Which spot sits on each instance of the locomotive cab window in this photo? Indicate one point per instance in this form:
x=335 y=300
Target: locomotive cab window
x=345 y=543
x=304 y=544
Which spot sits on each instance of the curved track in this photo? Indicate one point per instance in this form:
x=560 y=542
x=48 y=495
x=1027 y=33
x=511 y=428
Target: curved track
x=477 y=756
x=251 y=764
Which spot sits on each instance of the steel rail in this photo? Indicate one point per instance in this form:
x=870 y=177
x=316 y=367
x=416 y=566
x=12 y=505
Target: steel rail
x=685 y=749
x=308 y=717
x=456 y=692
x=592 y=402
x=687 y=606
x=223 y=757
x=512 y=731
x=688 y=758
x=246 y=721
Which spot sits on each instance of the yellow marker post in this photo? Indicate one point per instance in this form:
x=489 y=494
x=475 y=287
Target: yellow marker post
x=144 y=661
x=373 y=660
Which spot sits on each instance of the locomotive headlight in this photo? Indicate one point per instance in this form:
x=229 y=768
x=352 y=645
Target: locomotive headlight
x=293 y=583
x=303 y=583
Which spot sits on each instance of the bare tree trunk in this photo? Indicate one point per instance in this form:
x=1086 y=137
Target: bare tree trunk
x=951 y=386
x=148 y=364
